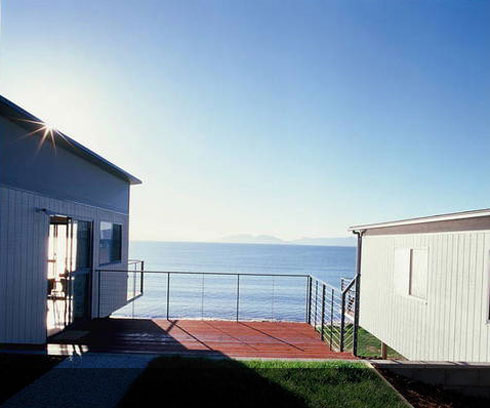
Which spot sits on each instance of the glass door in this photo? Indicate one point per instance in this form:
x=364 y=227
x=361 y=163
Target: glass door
x=81 y=270
x=60 y=245
x=69 y=272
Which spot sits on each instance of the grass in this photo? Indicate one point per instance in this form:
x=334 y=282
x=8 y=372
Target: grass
x=19 y=370
x=186 y=382
x=368 y=346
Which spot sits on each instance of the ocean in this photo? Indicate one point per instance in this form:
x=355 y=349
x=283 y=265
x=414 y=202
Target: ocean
x=215 y=296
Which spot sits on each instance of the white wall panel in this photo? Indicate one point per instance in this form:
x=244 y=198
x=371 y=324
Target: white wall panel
x=452 y=322
x=23 y=261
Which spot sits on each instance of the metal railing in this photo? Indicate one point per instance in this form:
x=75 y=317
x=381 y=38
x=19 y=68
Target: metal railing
x=119 y=289
x=208 y=295
x=136 y=269
x=347 y=285
x=233 y=296
x=331 y=312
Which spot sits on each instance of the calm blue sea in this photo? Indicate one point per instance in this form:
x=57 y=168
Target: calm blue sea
x=215 y=296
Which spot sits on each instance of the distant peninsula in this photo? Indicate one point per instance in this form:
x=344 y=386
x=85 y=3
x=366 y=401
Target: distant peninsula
x=270 y=239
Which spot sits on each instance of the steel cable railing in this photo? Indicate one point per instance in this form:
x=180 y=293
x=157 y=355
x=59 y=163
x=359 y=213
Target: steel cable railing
x=205 y=295
x=232 y=296
x=332 y=312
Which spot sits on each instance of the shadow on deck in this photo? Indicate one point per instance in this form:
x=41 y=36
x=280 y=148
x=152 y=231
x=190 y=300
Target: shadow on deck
x=199 y=338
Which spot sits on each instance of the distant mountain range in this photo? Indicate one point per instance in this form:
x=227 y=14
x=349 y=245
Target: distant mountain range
x=269 y=239
x=340 y=241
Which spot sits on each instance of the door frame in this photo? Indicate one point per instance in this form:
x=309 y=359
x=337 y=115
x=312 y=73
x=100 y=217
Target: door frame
x=90 y=273
x=68 y=262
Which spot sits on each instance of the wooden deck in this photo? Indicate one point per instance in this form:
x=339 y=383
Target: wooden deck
x=201 y=338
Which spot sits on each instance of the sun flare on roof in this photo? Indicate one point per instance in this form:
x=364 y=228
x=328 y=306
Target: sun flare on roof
x=47 y=130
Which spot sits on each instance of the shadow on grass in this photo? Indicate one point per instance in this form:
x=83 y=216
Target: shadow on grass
x=187 y=382
x=193 y=382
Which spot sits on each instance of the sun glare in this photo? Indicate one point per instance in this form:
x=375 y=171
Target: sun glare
x=49 y=127
x=47 y=130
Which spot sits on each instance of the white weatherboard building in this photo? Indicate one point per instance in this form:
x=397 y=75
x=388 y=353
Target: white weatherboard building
x=424 y=287
x=63 y=213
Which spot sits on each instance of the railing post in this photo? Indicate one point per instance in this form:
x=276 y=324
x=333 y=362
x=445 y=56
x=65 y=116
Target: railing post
x=142 y=276
x=306 y=299
x=134 y=282
x=358 y=291
x=308 y=307
x=342 y=322
x=272 y=298
x=323 y=311
x=331 y=317
x=99 y=276
x=168 y=293
x=202 y=297
x=316 y=301
x=237 y=297
x=356 y=317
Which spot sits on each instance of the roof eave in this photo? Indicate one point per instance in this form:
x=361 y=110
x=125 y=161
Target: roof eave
x=92 y=156
x=18 y=113
x=420 y=220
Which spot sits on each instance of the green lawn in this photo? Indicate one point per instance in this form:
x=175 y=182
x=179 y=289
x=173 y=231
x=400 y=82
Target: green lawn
x=191 y=382
x=370 y=347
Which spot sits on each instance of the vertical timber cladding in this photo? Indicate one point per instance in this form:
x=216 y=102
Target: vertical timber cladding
x=23 y=261
x=451 y=323
x=65 y=178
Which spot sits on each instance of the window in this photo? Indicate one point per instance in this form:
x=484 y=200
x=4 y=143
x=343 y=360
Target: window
x=110 y=242
x=410 y=272
x=418 y=273
x=83 y=233
x=402 y=271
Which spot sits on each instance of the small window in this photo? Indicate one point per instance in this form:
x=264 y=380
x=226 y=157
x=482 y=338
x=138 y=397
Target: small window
x=410 y=272
x=110 y=242
x=402 y=270
x=418 y=273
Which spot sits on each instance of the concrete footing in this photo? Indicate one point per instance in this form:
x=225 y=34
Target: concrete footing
x=467 y=378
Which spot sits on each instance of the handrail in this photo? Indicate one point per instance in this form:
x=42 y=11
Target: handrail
x=285 y=275
x=323 y=282
x=328 y=308
x=349 y=286
x=337 y=305
x=133 y=292
x=211 y=273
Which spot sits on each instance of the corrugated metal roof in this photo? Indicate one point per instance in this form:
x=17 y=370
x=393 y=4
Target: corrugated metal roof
x=13 y=112
x=421 y=220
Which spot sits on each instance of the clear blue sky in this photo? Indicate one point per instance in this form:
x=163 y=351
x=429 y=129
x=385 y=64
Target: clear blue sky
x=290 y=118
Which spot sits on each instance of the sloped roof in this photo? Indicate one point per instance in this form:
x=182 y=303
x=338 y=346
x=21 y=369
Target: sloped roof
x=21 y=117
